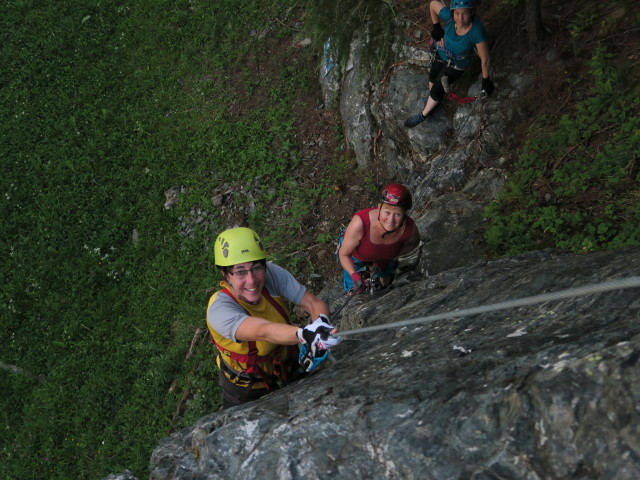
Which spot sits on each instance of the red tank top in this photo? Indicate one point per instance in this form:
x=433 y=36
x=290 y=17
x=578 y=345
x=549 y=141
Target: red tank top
x=373 y=252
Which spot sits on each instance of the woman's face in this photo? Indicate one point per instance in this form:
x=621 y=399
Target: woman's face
x=391 y=216
x=462 y=16
x=247 y=281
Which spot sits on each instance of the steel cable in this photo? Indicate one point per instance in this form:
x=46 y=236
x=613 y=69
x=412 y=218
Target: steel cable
x=629 y=282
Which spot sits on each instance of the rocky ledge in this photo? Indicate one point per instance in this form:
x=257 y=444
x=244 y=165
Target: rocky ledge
x=550 y=390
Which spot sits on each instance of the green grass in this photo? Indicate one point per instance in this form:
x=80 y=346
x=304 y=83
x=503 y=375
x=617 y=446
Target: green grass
x=103 y=108
x=339 y=20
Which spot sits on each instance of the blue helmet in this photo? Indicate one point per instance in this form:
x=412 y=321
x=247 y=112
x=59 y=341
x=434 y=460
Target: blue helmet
x=462 y=4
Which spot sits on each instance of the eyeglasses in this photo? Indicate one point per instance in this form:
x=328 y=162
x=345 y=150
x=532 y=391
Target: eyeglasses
x=257 y=270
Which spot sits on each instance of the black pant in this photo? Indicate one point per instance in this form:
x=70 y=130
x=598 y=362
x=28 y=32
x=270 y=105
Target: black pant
x=438 y=70
x=233 y=395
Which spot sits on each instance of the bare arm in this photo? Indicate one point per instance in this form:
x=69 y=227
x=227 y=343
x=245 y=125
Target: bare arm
x=483 y=52
x=260 y=329
x=350 y=242
x=313 y=305
x=434 y=10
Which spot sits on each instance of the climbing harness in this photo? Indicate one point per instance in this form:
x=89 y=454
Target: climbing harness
x=253 y=373
x=369 y=284
x=434 y=46
x=620 y=284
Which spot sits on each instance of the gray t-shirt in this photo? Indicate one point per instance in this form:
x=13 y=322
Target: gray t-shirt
x=225 y=314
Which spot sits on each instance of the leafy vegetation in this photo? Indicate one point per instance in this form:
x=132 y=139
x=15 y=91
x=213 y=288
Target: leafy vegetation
x=339 y=21
x=575 y=183
x=103 y=108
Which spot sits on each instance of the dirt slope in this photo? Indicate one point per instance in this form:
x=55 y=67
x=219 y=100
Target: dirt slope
x=559 y=65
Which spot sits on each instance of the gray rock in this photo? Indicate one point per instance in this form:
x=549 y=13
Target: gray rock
x=405 y=95
x=354 y=106
x=520 y=81
x=552 y=55
x=549 y=390
x=486 y=184
x=329 y=77
x=305 y=42
x=413 y=54
x=171 y=196
x=126 y=475
x=452 y=234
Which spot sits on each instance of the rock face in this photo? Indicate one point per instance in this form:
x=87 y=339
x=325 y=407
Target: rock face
x=126 y=475
x=460 y=148
x=546 y=391
x=453 y=221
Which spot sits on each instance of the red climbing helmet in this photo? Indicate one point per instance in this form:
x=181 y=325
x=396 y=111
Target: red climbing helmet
x=396 y=194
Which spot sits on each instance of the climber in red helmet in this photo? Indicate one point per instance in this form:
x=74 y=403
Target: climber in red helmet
x=376 y=236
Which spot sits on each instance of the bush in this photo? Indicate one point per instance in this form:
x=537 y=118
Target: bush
x=575 y=183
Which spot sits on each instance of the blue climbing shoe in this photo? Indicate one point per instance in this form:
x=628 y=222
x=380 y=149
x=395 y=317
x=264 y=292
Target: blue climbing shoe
x=414 y=120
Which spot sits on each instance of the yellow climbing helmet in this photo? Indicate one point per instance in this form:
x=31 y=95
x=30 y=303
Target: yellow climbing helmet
x=238 y=245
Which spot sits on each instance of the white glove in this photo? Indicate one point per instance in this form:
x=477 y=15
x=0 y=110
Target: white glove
x=319 y=334
x=317 y=341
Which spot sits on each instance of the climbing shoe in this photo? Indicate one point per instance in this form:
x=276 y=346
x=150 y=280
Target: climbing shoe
x=414 y=120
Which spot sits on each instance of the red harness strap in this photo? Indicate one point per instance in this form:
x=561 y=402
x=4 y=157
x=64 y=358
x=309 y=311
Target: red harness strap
x=460 y=100
x=252 y=359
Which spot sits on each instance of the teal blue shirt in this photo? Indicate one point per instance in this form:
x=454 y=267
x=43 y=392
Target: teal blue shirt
x=459 y=48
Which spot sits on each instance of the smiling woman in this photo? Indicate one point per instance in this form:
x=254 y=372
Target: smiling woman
x=375 y=237
x=249 y=321
x=102 y=108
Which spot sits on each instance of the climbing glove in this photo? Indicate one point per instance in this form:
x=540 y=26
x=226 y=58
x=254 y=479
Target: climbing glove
x=318 y=334
x=437 y=32
x=487 y=85
x=356 y=279
x=316 y=342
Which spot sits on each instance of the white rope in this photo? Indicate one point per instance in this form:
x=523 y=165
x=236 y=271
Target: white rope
x=629 y=282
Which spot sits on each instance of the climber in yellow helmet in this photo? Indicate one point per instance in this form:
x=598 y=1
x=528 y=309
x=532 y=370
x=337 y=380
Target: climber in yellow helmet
x=259 y=350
